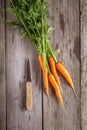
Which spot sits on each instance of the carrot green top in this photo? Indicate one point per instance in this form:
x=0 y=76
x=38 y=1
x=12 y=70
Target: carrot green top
x=31 y=18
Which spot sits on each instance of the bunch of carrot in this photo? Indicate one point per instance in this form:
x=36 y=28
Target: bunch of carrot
x=51 y=76
x=31 y=18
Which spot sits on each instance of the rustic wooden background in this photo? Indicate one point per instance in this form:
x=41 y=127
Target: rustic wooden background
x=70 y=35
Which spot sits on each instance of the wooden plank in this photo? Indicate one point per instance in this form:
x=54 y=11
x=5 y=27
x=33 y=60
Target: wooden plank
x=66 y=37
x=84 y=63
x=2 y=69
x=17 y=53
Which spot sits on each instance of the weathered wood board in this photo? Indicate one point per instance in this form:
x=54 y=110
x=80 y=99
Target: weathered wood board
x=84 y=64
x=18 y=51
x=66 y=37
x=69 y=20
x=2 y=69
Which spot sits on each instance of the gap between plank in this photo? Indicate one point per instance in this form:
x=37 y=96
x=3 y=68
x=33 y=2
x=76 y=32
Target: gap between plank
x=80 y=55
x=5 y=17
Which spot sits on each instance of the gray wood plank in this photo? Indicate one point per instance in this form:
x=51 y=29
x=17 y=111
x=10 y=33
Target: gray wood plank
x=66 y=37
x=17 y=52
x=84 y=63
x=2 y=69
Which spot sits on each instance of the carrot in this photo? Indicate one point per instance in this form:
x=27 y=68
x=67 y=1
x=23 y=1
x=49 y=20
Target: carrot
x=53 y=69
x=45 y=78
x=61 y=68
x=40 y=58
x=56 y=88
x=45 y=74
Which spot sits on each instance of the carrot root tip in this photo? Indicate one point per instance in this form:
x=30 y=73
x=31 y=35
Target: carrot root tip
x=49 y=102
x=76 y=95
x=64 y=108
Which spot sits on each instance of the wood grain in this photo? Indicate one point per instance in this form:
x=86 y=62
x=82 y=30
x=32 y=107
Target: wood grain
x=65 y=36
x=84 y=63
x=2 y=69
x=17 y=53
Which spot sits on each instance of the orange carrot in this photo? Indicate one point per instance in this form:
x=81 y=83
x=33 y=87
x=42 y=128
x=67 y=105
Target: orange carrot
x=53 y=69
x=45 y=78
x=56 y=88
x=40 y=58
x=45 y=74
x=61 y=68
